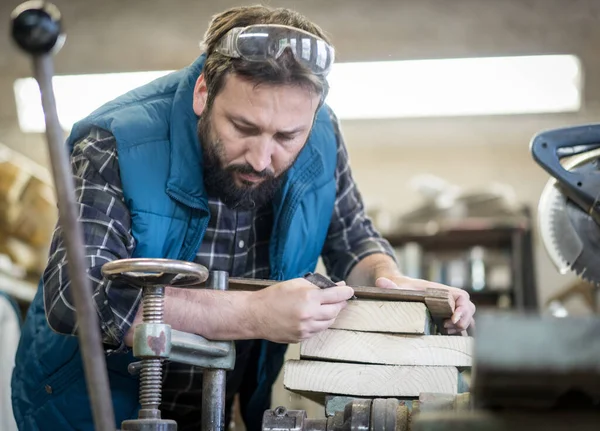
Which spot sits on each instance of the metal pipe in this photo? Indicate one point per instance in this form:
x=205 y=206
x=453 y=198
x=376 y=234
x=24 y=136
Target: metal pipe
x=218 y=280
x=213 y=400
x=213 y=381
x=94 y=361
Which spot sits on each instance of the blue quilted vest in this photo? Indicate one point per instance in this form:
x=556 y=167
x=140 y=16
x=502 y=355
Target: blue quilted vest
x=160 y=162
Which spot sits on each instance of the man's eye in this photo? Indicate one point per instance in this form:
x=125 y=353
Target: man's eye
x=245 y=130
x=285 y=138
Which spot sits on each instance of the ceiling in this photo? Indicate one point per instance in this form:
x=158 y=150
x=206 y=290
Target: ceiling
x=117 y=35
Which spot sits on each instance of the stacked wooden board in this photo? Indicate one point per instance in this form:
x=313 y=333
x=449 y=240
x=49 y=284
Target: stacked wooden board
x=27 y=211
x=380 y=348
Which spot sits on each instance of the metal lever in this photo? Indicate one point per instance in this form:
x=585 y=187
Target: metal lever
x=37 y=30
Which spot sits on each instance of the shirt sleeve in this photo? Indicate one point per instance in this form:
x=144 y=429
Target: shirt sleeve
x=351 y=236
x=106 y=225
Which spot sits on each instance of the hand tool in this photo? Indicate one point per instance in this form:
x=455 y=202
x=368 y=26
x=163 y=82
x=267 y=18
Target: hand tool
x=321 y=281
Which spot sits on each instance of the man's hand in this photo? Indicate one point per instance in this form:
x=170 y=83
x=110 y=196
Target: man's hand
x=294 y=310
x=463 y=313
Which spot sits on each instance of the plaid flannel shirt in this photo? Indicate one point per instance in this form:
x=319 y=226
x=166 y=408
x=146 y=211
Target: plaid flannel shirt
x=235 y=241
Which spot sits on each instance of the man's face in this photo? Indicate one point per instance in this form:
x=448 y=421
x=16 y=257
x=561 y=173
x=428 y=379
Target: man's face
x=251 y=135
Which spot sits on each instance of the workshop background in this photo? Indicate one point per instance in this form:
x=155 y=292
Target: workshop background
x=486 y=235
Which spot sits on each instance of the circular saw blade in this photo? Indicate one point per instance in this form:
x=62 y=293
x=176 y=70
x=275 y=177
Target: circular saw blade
x=571 y=237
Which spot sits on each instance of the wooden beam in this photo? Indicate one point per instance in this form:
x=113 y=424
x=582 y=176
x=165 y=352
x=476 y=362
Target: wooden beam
x=385 y=316
x=389 y=349
x=368 y=380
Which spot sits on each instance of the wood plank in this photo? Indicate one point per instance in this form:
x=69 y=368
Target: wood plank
x=389 y=349
x=385 y=316
x=440 y=302
x=368 y=380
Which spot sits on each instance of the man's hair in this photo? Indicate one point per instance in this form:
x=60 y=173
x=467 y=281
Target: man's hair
x=283 y=71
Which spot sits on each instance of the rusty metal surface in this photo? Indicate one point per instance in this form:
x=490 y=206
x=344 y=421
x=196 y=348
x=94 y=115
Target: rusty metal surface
x=281 y=419
x=384 y=414
x=152 y=340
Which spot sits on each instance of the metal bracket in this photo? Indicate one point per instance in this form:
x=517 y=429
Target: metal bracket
x=196 y=350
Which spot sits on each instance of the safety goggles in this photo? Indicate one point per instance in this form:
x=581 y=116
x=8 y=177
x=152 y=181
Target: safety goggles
x=261 y=42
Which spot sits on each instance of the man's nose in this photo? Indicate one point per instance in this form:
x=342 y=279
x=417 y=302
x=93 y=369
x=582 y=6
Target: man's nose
x=259 y=154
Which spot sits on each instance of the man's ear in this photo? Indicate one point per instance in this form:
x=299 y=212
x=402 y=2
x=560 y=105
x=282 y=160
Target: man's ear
x=200 y=95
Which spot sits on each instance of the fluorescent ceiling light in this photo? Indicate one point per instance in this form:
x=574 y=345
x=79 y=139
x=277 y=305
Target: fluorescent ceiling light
x=457 y=87
x=76 y=96
x=387 y=89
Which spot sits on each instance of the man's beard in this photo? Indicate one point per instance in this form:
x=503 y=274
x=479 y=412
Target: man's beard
x=220 y=182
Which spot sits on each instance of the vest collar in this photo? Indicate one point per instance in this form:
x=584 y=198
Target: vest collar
x=186 y=180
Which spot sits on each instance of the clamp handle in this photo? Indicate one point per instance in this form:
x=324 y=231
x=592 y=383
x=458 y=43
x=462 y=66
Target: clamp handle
x=143 y=272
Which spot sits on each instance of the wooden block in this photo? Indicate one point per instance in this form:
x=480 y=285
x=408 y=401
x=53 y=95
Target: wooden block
x=390 y=349
x=385 y=316
x=368 y=380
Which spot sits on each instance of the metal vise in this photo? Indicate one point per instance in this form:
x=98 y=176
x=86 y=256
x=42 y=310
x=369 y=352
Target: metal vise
x=359 y=414
x=365 y=414
x=155 y=341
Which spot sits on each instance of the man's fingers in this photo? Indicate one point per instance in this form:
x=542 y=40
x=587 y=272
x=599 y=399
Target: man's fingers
x=333 y=295
x=461 y=319
x=464 y=323
x=320 y=325
x=328 y=312
x=385 y=283
x=456 y=316
x=460 y=311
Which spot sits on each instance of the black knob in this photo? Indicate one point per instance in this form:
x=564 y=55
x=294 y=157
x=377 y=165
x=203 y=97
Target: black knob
x=37 y=28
